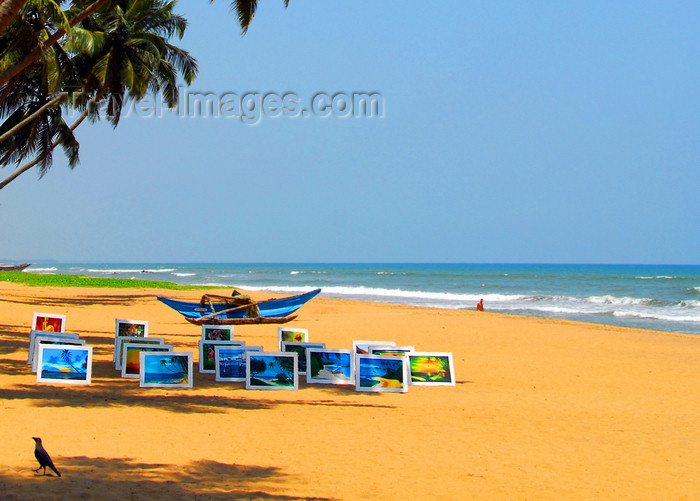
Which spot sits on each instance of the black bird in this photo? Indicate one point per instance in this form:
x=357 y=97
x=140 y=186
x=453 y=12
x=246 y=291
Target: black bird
x=43 y=457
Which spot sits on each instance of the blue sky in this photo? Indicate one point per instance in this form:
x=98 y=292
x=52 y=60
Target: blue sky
x=511 y=132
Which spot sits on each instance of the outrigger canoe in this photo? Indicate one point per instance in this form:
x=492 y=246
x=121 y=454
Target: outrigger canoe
x=239 y=309
x=13 y=267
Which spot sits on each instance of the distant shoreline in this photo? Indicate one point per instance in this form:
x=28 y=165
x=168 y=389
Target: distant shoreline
x=650 y=297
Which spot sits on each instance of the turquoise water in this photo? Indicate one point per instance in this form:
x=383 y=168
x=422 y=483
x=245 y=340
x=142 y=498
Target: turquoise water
x=643 y=296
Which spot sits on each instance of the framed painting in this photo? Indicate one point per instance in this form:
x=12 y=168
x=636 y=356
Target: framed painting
x=64 y=364
x=287 y=334
x=122 y=340
x=431 y=369
x=53 y=340
x=217 y=332
x=33 y=335
x=131 y=358
x=381 y=373
x=330 y=366
x=131 y=328
x=207 y=354
x=271 y=371
x=231 y=362
x=362 y=347
x=395 y=351
x=48 y=322
x=172 y=369
x=300 y=350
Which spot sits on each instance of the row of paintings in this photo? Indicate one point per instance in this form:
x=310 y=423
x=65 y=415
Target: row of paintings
x=373 y=373
x=58 y=356
x=149 y=359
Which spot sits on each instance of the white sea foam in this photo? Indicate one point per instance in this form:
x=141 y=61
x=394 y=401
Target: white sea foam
x=619 y=300
x=664 y=315
x=216 y=284
x=116 y=271
x=184 y=274
x=42 y=270
x=112 y=271
x=359 y=292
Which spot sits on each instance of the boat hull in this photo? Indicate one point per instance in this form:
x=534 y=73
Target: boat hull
x=278 y=310
x=13 y=267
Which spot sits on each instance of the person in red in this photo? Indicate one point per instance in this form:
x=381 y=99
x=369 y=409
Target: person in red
x=480 y=305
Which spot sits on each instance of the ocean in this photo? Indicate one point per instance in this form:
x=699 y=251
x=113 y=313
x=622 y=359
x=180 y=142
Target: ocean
x=659 y=297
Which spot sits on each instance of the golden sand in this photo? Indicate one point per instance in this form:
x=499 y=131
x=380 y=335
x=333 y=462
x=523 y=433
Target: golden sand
x=542 y=409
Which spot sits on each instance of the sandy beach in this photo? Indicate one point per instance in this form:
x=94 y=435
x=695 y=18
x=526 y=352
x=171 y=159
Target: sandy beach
x=542 y=409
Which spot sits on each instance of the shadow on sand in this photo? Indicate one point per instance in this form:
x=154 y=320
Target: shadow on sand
x=125 y=479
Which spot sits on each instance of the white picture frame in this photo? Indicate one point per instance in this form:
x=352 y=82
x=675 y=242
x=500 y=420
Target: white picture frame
x=47 y=322
x=55 y=368
x=133 y=370
x=207 y=354
x=362 y=347
x=235 y=369
x=131 y=328
x=438 y=372
x=300 y=349
x=155 y=374
x=290 y=334
x=394 y=351
x=269 y=378
x=34 y=334
x=52 y=340
x=377 y=373
x=122 y=340
x=225 y=334
x=334 y=366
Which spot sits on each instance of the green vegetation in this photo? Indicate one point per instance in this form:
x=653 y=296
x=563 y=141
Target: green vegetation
x=41 y=280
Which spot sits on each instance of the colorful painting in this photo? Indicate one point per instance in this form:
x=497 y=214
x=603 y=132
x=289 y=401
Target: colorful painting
x=207 y=353
x=64 y=364
x=287 y=334
x=391 y=351
x=132 y=328
x=217 y=332
x=431 y=369
x=52 y=340
x=300 y=350
x=120 y=341
x=330 y=366
x=271 y=371
x=33 y=335
x=48 y=322
x=362 y=347
x=381 y=373
x=165 y=370
x=131 y=358
x=231 y=363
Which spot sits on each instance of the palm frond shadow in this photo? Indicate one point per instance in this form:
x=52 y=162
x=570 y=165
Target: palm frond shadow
x=115 y=478
x=104 y=300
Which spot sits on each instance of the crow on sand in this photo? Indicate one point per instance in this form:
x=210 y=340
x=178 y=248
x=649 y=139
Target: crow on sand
x=43 y=457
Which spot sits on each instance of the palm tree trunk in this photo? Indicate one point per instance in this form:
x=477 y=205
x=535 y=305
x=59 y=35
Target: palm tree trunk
x=31 y=57
x=31 y=117
x=38 y=159
x=8 y=10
